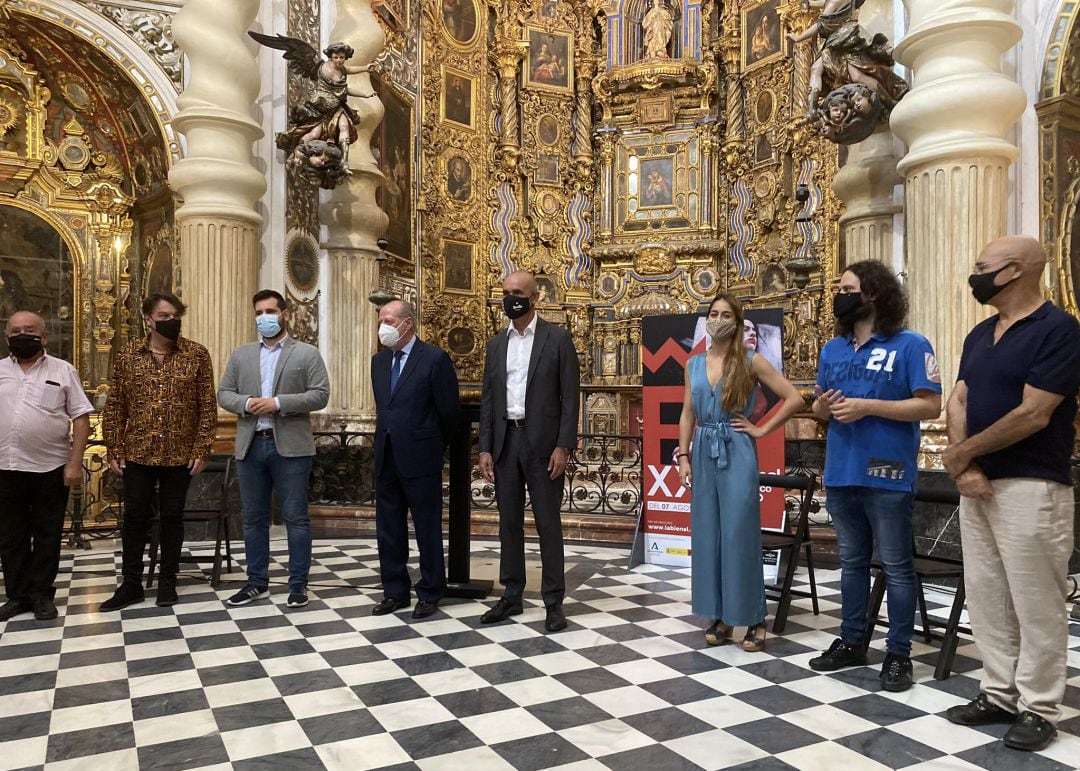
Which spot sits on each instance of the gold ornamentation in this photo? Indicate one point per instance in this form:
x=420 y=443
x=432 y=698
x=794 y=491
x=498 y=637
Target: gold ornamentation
x=654 y=261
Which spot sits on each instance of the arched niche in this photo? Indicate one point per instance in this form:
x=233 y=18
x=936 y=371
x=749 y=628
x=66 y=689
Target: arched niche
x=39 y=263
x=624 y=34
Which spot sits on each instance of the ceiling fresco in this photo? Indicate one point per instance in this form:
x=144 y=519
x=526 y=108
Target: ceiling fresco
x=87 y=86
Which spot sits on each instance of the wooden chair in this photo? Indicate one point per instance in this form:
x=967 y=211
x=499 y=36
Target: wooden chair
x=794 y=541
x=928 y=568
x=219 y=515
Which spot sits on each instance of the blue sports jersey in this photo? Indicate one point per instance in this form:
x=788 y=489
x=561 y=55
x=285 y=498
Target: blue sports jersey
x=873 y=451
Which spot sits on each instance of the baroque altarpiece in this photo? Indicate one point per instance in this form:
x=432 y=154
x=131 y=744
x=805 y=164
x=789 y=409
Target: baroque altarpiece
x=637 y=155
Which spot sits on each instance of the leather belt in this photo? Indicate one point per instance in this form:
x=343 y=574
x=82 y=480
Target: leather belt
x=266 y=433
x=516 y=422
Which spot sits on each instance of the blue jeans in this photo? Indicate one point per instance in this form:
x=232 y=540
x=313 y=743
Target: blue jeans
x=259 y=472
x=861 y=516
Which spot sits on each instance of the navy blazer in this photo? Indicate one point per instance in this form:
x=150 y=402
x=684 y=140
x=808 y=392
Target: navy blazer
x=421 y=415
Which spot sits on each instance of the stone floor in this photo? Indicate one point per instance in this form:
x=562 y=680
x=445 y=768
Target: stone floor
x=629 y=685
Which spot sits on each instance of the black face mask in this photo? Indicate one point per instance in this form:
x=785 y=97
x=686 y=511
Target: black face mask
x=24 y=346
x=169 y=329
x=846 y=306
x=983 y=287
x=515 y=307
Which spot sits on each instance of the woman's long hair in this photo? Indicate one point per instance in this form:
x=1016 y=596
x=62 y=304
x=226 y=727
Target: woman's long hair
x=738 y=379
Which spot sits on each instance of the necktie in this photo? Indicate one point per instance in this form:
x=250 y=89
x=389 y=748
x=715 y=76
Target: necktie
x=395 y=371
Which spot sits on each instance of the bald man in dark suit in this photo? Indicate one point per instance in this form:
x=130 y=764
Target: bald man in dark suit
x=528 y=426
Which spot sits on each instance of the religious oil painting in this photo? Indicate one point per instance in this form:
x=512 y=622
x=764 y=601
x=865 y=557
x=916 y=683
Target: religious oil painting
x=393 y=139
x=551 y=60
x=37 y=274
x=459 y=179
x=457 y=102
x=459 y=20
x=457 y=266
x=656 y=182
x=763 y=39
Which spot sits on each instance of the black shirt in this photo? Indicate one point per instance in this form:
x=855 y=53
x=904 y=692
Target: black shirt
x=1043 y=351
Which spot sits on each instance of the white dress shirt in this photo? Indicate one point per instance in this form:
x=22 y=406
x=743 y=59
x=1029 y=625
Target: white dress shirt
x=518 y=352
x=39 y=405
x=268 y=359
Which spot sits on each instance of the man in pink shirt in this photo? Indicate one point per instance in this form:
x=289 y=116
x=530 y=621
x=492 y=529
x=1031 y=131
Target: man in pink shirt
x=43 y=431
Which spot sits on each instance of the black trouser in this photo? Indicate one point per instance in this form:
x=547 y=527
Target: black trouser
x=143 y=487
x=517 y=467
x=394 y=498
x=31 y=520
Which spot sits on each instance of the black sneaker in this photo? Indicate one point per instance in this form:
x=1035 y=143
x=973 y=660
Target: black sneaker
x=896 y=673
x=247 y=595
x=127 y=594
x=1030 y=732
x=839 y=655
x=297 y=600
x=979 y=711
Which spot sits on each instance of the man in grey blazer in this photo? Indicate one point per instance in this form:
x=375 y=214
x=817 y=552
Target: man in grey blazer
x=273 y=385
x=528 y=426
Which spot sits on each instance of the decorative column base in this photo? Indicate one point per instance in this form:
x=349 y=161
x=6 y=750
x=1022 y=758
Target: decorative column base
x=219 y=269
x=865 y=184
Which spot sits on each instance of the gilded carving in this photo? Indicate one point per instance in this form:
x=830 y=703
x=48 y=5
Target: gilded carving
x=151 y=31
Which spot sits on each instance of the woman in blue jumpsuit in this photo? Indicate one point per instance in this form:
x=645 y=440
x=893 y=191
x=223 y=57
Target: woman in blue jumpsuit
x=721 y=468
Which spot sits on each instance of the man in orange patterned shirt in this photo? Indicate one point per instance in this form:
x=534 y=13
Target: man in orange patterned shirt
x=158 y=425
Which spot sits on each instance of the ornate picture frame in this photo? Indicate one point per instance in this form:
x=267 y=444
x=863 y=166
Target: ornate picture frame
x=763 y=39
x=459 y=22
x=458 y=102
x=458 y=260
x=550 y=63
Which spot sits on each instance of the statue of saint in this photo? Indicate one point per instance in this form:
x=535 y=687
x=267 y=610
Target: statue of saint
x=657 y=26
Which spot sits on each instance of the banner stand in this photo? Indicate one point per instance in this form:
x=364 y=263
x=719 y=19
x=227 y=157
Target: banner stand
x=637 y=548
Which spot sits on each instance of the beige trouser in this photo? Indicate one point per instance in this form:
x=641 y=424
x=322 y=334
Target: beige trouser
x=1016 y=557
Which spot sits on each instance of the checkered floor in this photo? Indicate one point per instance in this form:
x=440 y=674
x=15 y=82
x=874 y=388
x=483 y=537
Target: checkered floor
x=629 y=685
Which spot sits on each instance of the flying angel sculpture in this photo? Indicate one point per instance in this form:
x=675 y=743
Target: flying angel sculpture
x=325 y=117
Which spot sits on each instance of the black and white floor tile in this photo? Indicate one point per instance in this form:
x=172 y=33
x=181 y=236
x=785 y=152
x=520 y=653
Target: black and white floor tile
x=629 y=685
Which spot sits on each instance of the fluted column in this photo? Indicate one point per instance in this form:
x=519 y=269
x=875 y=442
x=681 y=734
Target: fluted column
x=865 y=184
x=354 y=223
x=219 y=185
x=956 y=170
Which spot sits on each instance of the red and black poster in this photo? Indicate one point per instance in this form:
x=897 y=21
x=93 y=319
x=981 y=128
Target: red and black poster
x=668 y=342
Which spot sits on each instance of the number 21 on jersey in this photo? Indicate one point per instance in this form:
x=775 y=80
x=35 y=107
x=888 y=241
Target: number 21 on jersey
x=877 y=355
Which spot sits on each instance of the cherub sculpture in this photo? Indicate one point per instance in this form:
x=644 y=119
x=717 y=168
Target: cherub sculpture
x=846 y=58
x=319 y=161
x=325 y=115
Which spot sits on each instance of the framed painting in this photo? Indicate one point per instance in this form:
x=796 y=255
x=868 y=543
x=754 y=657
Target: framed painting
x=457 y=266
x=763 y=39
x=393 y=138
x=550 y=64
x=458 y=97
x=459 y=21
x=459 y=179
x=657 y=178
x=547 y=169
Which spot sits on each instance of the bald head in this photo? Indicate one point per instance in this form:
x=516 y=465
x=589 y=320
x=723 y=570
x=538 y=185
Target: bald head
x=522 y=281
x=1024 y=251
x=25 y=322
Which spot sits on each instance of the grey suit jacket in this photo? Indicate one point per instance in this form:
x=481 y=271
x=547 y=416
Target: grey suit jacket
x=301 y=385
x=551 y=393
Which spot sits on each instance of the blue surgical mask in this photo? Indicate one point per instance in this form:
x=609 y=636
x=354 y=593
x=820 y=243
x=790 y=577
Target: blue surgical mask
x=268 y=324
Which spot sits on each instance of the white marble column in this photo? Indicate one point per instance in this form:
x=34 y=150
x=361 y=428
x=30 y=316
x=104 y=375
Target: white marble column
x=216 y=179
x=956 y=170
x=354 y=223
x=865 y=183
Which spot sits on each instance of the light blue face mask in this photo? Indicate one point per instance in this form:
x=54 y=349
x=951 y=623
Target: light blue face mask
x=268 y=324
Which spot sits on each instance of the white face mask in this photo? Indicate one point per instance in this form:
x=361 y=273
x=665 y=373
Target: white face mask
x=389 y=334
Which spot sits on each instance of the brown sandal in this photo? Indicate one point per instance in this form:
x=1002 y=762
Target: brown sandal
x=754 y=641
x=719 y=633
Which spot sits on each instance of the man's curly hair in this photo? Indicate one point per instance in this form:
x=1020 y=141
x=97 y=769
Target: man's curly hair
x=889 y=298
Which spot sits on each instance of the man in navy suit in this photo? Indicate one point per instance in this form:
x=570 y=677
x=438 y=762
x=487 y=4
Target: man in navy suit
x=416 y=399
